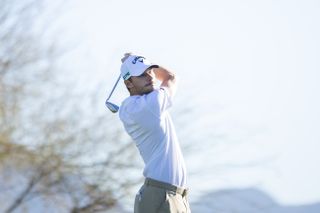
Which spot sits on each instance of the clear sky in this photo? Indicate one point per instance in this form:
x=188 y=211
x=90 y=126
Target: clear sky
x=249 y=70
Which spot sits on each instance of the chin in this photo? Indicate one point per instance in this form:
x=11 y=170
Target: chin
x=147 y=91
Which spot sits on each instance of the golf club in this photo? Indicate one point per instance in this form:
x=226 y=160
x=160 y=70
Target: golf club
x=113 y=107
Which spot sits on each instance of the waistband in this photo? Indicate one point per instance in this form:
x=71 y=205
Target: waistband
x=167 y=186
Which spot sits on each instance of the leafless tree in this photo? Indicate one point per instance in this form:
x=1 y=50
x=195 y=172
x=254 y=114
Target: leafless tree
x=51 y=151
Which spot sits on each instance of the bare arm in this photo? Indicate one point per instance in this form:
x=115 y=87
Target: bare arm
x=167 y=78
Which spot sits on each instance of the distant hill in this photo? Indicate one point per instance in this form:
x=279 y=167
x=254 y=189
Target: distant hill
x=249 y=200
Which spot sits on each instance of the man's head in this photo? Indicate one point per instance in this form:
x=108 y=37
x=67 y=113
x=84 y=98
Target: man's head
x=138 y=74
x=142 y=84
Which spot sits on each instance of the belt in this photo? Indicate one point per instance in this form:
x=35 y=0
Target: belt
x=168 y=186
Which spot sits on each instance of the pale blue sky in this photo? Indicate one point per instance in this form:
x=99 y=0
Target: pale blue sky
x=250 y=70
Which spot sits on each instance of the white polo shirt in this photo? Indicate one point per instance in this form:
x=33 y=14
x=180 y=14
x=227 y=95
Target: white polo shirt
x=149 y=124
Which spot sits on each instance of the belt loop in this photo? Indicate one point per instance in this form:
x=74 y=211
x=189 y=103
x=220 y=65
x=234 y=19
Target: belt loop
x=185 y=193
x=146 y=181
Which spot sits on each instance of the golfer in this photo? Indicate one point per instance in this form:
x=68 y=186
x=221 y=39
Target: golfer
x=146 y=119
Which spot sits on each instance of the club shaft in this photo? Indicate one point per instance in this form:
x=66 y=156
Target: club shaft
x=115 y=85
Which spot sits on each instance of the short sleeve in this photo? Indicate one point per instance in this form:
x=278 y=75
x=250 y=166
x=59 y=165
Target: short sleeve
x=145 y=110
x=158 y=101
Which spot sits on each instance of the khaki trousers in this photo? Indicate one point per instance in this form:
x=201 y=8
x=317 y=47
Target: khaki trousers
x=159 y=197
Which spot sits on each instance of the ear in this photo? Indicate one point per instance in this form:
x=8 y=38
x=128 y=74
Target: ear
x=128 y=84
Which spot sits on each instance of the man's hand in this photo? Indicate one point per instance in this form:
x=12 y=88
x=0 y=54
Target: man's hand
x=126 y=55
x=167 y=78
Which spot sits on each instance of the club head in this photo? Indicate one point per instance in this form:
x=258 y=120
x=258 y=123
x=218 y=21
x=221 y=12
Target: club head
x=113 y=108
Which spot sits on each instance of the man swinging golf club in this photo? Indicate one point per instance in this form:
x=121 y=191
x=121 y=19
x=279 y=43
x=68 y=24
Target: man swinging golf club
x=146 y=119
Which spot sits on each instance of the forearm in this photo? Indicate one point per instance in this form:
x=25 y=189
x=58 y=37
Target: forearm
x=167 y=78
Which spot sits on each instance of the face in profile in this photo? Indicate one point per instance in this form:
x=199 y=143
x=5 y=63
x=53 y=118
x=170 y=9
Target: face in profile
x=143 y=84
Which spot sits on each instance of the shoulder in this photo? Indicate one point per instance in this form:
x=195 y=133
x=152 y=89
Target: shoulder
x=132 y=107
x=149 y=104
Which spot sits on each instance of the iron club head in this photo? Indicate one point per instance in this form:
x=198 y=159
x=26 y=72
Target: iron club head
x=112 y=107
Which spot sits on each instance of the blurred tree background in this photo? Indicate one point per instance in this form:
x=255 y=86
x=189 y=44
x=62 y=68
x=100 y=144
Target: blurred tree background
x=58 y=151
x=52 y=151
